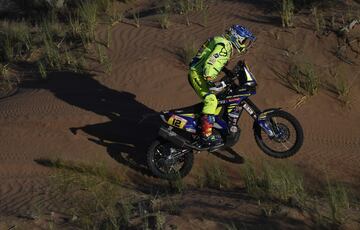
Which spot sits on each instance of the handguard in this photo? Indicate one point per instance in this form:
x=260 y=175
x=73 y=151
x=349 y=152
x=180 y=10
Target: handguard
x=218 y=86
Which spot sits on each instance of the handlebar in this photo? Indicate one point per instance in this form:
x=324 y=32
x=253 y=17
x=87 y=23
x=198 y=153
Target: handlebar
x=237 y=74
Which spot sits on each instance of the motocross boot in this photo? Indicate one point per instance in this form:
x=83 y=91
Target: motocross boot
x=208 y=139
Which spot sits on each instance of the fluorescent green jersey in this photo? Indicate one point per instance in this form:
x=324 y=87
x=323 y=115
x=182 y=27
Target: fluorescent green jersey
x=212 y=57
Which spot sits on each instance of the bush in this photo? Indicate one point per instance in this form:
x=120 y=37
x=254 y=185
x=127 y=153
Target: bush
x=287 y=13
x=281 y=182
x=214 y=176
x=302 y=79
x=338 y=201
x=187 y=52
x=15 y=40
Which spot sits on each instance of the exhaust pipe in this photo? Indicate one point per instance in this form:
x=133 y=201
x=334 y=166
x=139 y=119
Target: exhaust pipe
x=173 y=137
x=179 y=141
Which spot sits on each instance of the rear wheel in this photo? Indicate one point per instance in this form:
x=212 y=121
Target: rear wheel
x=167 y=161
x=288 y=137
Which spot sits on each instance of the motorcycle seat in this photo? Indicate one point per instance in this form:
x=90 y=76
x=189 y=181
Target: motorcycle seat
x=197 y=108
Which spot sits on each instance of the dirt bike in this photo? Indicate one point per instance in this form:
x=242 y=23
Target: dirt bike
x=277 y=133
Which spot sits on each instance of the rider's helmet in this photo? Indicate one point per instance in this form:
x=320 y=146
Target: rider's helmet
x=240 y=37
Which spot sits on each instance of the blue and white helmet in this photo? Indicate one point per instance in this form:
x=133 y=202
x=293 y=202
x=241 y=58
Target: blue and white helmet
x=240 y=37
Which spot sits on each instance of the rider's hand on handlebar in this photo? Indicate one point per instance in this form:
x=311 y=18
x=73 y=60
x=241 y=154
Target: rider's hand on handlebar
x=218 y=86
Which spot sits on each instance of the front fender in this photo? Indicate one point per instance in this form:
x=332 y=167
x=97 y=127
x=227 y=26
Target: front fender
x=260 y=122
x=263 y=114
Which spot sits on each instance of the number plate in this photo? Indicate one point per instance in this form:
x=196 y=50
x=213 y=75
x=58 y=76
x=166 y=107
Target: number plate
x=177 y=121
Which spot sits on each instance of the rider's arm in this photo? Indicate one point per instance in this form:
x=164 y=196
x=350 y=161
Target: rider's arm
x=215 y=62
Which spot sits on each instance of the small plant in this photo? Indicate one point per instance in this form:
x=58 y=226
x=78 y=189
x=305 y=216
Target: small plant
x=101 y=53
x=98 y=170
x=200 y=181
x=199 y=5
x=125 y=210
x=15 y=40
x=164 y=20
x=108 y=36
x=42 y=70
x=160 y=220
x=52 y=53
x=184 y=8
x=108 y=65
x=7 y=83
x=116 y=15
x=216 y=177
x=103 y=5
x=254 y=185
x=320 y=23
x=205 y=16
x=341 y=87
x=4 y=71
x=188 y=52
x=75 y=27
x=338 y=201
x=233 y=226
x=172 y=206
x=136 y=17
x=177 y=185
x=70 y=61
x=287 y=13
x=280 y=182
x=302 y=79
x=88 y=16
x=87 y=189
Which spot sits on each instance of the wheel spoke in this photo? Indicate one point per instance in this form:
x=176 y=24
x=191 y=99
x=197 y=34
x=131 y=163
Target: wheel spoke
x=282 y=142
x=169 y=160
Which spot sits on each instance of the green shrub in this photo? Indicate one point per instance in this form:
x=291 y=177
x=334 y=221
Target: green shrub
x=216 y=176
x=185 y=7
x=136 y=17
x=281 y=182
x=42 y=70
x=303 y=79
x=338 y=202
x=320 y=23
x=187 y=52
x=205 y=16
x=287 y=13
x=341 y=87
x=94 y=194
x=15 y=40
x=164 y=20
x=116 y=15
x=104 y=5
x=88 y=15
x=177 y=185
x=52 y=53
x=75 y=27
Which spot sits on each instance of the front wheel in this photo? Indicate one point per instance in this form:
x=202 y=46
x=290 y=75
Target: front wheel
x=169 y=162
x=288 y=135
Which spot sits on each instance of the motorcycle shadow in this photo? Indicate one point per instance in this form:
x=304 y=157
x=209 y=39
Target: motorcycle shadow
x=229 y=155
x=126 y=139
x=131 y=125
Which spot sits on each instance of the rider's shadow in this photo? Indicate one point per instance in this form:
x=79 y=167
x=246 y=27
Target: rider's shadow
x=132 y=126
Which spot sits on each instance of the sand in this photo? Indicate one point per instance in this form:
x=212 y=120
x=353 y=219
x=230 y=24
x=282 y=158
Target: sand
x=111 y=118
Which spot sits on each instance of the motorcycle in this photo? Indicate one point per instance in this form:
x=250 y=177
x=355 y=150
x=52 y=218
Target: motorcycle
x=277 y=132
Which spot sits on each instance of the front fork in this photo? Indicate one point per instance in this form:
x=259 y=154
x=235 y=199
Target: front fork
x=260 y=117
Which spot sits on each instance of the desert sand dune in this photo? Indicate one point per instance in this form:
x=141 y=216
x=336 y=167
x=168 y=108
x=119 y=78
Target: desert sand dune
x=111 y=118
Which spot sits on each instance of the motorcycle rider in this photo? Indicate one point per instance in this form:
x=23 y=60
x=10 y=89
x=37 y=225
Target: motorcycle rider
x=204 y=68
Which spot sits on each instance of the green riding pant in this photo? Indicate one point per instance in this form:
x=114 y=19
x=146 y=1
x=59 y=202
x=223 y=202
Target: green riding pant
x=201 y=88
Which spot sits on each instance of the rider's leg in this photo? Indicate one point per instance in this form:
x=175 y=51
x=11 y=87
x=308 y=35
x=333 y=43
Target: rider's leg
x=210 y=104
